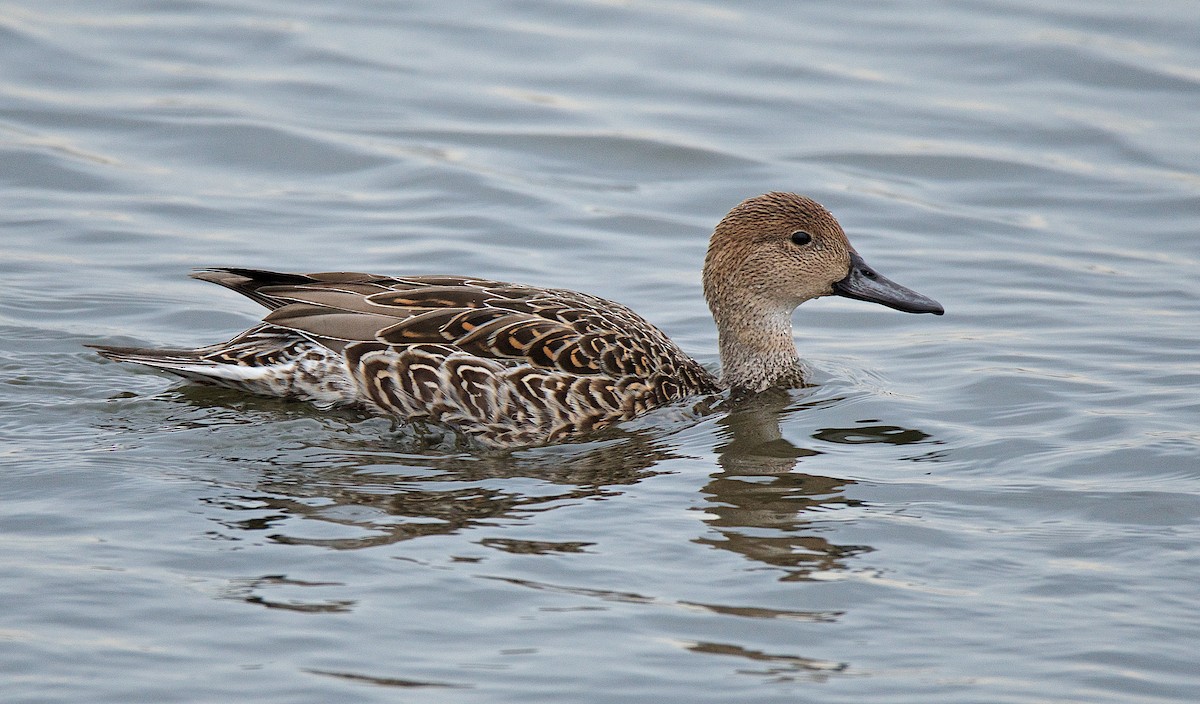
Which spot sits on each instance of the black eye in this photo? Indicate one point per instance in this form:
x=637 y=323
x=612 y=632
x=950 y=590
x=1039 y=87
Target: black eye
x=801 y=237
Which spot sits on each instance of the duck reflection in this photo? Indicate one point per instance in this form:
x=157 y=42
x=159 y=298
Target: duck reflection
x=758 y=503
x=374 y=498
x=349 y=494
x=762 y=508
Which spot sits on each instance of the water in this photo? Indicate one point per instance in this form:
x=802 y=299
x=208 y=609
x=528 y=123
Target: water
x=995 y=506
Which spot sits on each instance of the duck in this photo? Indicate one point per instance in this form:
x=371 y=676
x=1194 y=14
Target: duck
x=512 y=365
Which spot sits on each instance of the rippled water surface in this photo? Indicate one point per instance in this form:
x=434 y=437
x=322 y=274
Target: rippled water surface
x=999 y=505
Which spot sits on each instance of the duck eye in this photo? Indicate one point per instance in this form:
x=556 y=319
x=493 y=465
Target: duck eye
x=800 y=237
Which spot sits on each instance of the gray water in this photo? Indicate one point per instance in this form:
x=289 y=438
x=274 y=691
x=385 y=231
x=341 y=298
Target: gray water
x=999 y=505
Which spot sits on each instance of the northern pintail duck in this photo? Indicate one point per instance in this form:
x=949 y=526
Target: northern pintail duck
x=511 y=364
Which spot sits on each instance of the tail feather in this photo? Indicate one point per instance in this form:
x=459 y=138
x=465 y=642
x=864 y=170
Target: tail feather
x=262 y=362
x=189 y=364
x=248 y=281
x=267 y=359
x=146 y=355
x=251 y=282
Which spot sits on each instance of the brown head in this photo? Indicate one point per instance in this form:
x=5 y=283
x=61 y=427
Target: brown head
x=770 y=254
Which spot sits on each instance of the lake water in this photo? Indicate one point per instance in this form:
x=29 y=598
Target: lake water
x=999 y=505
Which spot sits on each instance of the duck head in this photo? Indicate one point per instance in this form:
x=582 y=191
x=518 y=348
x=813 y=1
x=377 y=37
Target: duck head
x=770 y=254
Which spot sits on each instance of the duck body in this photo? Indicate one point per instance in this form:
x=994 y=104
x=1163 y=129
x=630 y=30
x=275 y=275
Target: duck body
x=506 y=363
x=510 y=364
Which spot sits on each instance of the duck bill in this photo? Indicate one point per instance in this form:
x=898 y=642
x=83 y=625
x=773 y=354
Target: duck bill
x=864 y=284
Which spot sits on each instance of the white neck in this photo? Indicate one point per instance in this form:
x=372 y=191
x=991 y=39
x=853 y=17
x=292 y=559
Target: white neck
x=757 y=350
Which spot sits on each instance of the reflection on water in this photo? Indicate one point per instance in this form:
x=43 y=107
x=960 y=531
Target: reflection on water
x=887 y=434
x=778 y=668
x=760 y=504
x=388 y=498
x=249 y=590
x=357 y=490
x=381 y=681
x=534 y=547
x=609 y=595
x=382 y=498
x=765 y=521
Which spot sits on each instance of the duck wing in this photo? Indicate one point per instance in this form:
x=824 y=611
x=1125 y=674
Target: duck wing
x=512 y=324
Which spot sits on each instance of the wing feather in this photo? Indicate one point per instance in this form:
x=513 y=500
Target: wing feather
x=328 y=323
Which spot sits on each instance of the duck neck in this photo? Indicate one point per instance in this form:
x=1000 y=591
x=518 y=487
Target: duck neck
x=757 y=350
